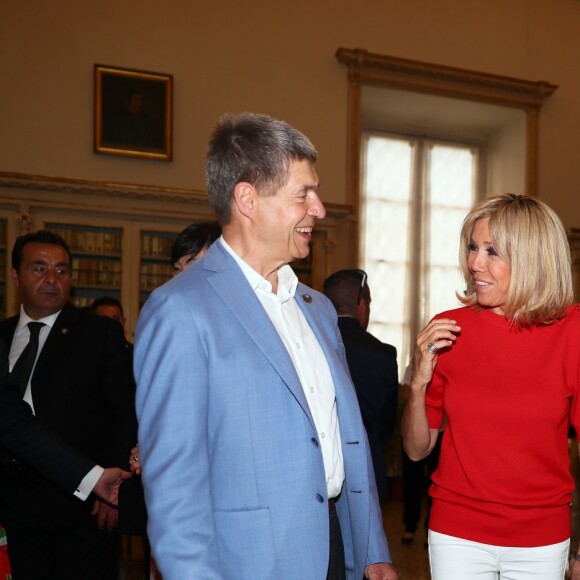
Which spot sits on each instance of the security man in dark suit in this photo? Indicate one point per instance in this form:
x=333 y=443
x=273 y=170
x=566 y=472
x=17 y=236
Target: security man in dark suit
x=74 y=370
x=372 y=364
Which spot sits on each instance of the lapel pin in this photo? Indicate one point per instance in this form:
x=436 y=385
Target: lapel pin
x=64 y=330
x=307 y=298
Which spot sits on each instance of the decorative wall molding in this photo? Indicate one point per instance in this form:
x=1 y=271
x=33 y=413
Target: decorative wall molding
x=369 y=68
x=101 y=188
x=336 y=213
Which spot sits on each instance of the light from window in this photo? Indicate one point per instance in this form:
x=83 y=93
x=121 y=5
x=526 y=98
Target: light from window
x=415 y=195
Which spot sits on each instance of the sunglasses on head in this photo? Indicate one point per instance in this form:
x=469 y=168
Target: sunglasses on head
x=364 y=277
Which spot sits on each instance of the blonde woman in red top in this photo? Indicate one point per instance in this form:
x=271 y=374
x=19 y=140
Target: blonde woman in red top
x=505 y=372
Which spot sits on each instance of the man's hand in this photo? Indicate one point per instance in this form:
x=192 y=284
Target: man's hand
x=107 y=515
x=574 y=570
x=107 y=487
x=380 y=571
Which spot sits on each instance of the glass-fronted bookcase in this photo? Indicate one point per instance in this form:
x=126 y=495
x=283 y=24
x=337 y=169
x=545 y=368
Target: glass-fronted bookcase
x=121 y=235
x=4 y=263
x=96 y=260
x=155 y=261
x=123 y=259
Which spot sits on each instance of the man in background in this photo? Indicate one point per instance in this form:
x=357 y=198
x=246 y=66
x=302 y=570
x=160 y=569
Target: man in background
x=74 y=371
x=372 y=364
x=192 y=243
x=110 y=307
x=132 y=511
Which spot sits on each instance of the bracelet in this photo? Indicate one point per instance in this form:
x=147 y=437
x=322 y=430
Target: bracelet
x=577 y=557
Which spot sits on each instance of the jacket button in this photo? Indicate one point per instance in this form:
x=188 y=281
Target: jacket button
x=314 y=442
x=319 y=498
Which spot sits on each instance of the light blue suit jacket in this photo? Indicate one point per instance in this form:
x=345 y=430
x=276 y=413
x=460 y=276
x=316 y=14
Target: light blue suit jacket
x=232 y=468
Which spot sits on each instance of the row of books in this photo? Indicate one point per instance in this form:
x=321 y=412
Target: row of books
x=86 y=272
x=153 y=275
x=156 y=246
x=96 y=272
x=81 y=301
x=90 y=241
x=109 y=241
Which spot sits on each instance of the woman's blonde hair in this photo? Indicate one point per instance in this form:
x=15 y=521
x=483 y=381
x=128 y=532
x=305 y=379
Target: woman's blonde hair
x=530 y=238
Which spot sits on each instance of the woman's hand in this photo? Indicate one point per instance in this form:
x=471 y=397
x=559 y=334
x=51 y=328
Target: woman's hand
x=438 y=334
x=418 y=438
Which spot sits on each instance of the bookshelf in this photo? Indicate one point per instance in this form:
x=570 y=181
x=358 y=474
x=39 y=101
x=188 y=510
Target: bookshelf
x=126 y=260
x=155 y=266
x=3 y=266
x=121 y=235
x=96 y=260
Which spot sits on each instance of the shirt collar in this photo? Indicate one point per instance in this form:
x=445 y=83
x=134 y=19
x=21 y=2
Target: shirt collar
x=287 y=279
x=25 y=319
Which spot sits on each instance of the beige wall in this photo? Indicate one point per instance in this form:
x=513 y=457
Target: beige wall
x=278 y=59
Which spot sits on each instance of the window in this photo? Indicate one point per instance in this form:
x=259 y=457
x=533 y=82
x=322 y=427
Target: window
x=409 y=202
x=415 y=194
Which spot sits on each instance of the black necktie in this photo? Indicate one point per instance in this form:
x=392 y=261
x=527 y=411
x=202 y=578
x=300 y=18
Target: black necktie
x=23 y=367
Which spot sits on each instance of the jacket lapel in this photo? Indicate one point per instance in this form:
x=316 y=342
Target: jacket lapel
x=62 y=328
x=232 y=286
x=325 y=329
x=310 y=303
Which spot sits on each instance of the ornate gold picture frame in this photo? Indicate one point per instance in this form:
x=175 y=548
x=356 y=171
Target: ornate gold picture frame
x=133 y=113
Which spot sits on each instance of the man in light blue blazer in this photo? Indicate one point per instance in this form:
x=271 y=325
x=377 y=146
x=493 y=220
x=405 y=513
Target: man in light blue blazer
x=255 y=460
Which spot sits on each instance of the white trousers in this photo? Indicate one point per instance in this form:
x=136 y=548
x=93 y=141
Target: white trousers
x=456 y=559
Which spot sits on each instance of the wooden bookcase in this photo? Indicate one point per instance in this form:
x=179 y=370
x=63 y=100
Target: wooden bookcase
x=122 y=258
x=155 y=268
x=96 y=260
x=4 y=259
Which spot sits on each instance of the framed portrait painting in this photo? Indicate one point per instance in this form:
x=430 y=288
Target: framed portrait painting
x=133 y=113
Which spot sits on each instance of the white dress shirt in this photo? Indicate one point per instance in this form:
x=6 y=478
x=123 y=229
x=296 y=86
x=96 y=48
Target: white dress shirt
x=20 y=340
x=309 y=362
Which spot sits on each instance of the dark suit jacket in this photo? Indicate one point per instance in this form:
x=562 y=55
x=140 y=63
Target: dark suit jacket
x=83 y=389
x=373 y=367
x=30 y=441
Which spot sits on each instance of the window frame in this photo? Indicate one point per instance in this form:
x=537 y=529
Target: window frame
x=365 y=68
x=418 y=275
